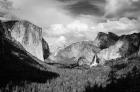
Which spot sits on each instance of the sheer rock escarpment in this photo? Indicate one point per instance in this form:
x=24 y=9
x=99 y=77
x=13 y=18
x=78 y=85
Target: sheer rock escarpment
x=29 y=36
x=16 y=63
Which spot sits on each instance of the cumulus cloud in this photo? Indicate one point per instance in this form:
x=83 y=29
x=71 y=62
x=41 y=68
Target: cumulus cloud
x=78 y=26
x=41 y=12
x=116 y=26
x=121 y=26
x=47 y=12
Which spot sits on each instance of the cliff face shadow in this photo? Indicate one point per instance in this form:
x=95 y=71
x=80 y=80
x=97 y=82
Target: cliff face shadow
x=17 y=66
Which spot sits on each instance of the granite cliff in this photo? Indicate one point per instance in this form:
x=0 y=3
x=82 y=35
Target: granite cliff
x=29 y=36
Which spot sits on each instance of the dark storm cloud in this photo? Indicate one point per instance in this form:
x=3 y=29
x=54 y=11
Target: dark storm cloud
x=85 y=7
x=105 y=8
x=101 y=1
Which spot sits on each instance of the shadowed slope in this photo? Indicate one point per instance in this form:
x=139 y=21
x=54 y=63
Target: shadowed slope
x=17 y=64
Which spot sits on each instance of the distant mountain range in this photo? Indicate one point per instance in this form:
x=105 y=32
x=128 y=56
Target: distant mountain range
x=22 y=45
x=25 y=56
x=108 y=46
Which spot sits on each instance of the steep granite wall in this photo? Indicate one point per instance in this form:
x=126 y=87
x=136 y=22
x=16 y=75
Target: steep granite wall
x=28 y=35
x=110 y=53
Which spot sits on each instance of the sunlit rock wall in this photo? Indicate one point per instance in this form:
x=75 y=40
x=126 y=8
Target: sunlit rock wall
x=110 y=53
x=29 y=35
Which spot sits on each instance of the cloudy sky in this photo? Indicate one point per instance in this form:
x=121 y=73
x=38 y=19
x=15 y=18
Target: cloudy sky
x=68 y=21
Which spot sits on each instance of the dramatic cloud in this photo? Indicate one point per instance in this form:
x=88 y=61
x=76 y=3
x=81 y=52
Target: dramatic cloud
x=47 y=12
x=119 y=8
x=85 y=8
x=41 y=12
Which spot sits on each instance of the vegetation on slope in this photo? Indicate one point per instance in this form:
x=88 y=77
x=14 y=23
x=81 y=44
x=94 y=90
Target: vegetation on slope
x=118 y=76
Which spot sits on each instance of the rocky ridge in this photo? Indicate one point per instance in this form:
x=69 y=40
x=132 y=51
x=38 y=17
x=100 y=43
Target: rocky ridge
x=124 y=47
x=79 y=52
x=104 y=40
x=109 y=46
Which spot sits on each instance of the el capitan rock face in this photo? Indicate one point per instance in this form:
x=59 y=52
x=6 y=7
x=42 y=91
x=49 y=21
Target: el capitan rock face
x=29 y=36
x=18 y=64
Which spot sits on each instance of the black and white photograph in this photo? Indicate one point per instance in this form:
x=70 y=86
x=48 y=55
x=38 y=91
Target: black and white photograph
x=69 y=45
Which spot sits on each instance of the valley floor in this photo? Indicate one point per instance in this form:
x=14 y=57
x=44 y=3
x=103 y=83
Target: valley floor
x=116 y=76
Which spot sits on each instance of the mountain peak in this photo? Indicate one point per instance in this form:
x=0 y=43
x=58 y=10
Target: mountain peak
x=104 y=40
